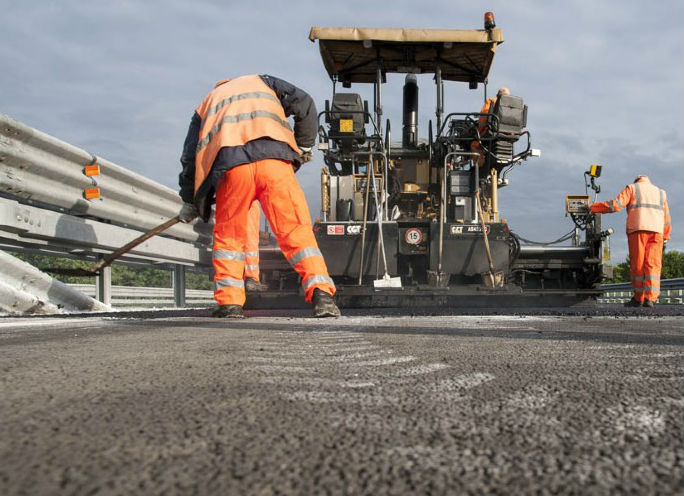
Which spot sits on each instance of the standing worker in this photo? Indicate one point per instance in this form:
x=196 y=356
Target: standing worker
x=648 y=229
x=240 y=148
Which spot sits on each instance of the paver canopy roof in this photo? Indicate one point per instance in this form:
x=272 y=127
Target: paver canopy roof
x=351 y=54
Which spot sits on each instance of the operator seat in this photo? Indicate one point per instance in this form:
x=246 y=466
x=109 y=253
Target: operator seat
x=506 y=129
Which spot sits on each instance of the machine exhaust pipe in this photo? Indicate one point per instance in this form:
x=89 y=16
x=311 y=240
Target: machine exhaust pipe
x=409 y=137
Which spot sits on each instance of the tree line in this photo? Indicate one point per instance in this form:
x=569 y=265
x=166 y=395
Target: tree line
x=126 y=275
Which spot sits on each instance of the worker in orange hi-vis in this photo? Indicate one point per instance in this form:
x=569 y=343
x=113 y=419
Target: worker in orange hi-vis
x=240 y=148
x=252 y=280
x=648 y=229
x=482 y=126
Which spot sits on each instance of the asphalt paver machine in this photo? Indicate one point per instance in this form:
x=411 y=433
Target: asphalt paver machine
x=425 y=212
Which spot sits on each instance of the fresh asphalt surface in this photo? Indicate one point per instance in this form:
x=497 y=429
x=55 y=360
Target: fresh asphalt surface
x=587 y=402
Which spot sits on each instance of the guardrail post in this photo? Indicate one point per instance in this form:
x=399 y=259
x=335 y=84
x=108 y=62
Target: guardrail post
x=104 y=286
x=179 y=285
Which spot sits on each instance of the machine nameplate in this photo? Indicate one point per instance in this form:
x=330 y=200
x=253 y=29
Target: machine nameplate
x=341 y=229
x=458 y=229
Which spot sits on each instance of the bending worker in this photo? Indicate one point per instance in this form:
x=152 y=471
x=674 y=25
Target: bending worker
x=240 y=148
x=648 y=228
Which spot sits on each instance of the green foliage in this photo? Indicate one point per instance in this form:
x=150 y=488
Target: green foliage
x=122 y=275
x=673 y=266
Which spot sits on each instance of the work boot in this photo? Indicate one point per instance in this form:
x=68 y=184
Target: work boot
x=254 y=286
x=229 y=312
x=323 y=304
x=648 y=303
x=633 y=303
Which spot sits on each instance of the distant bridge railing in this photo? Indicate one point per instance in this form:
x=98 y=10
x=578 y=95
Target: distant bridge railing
x=671 y=292
x=128 y=296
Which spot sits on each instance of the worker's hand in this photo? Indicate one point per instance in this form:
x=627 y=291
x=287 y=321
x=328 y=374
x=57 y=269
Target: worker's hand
x=305 y=154
x=188 y=213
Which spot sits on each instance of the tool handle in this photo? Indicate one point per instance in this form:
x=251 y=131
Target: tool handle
x=106 y=261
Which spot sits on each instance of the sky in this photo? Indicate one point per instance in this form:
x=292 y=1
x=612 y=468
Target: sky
x=604 y=82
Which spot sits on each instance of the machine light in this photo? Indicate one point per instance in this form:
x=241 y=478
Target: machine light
x=595 y=170
x=91 y=193
x=489 y=20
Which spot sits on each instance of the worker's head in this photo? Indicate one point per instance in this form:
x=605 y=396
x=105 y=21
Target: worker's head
x=640 y=177
x=503 y=91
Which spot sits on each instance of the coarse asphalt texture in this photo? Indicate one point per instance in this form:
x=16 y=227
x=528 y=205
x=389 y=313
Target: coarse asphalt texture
x=375 y=402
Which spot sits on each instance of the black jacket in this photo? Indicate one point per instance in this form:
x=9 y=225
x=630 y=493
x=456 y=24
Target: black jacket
x=295 y=102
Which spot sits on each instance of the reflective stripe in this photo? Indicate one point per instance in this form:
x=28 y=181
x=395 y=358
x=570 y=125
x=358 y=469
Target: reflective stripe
x=229 y=282
x=316 y=280
x=228 y=255
x=251 y=253
x=235 y=98
x=637 y=192
x=232 y=119
x=251 y=267
x=645 y=278
x=662 y=201
x=305 y=253
x=611 y=207
x=638 y=203
x=651 y=288
x=644 y=205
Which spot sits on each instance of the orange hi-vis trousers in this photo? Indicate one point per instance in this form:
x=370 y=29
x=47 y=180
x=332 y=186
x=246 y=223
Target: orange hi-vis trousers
x=646 y=261
x=252 y=245
x=273 y=183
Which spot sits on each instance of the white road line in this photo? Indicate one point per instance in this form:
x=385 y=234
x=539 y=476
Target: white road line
x=420 y=369
x=383 y=361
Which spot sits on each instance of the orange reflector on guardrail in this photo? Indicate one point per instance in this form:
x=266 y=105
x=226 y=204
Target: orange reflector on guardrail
x=91 y=170
x=91 y=193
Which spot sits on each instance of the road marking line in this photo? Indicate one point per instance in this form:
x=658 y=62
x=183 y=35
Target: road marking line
x=383 y=361
x=421 y=369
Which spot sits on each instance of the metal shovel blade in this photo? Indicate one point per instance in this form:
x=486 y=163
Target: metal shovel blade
x=387 y=282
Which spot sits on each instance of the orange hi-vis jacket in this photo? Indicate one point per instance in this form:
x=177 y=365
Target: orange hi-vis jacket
x=646 y=205
x=234 y=113
x=487 y=107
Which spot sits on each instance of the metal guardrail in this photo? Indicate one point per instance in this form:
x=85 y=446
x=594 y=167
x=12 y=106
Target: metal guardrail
x=671 y=292
x=43 y=209
x=37 y=167
x=25 y=289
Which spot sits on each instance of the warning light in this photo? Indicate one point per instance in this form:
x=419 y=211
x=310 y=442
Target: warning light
x=595 y=170
x=91 y=193
x=91 y=170
x=489 y=20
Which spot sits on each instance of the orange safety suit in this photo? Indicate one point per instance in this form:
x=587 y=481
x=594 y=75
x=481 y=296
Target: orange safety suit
x=648 y=224
x=482 y=128
x=252 y=245
x=235 y=113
